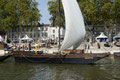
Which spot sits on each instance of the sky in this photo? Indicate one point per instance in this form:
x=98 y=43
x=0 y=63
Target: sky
x=43 y=7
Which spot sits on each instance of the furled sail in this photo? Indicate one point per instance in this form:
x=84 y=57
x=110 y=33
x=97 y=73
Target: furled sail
x=75 y=28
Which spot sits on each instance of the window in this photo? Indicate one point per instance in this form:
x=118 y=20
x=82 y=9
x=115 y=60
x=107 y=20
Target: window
x=53 y=36
x=38 y=35
x=27 y=29
x=46 y=29
x=46 y=34
x=31 y=35
x=42 y=34
x=9 y=35
x=34 y=35
x=53 y=31
x=12 y=30
x=22 y=29
x=15 y=30
x=42 y=28
x=12 y=35
x=31 y=30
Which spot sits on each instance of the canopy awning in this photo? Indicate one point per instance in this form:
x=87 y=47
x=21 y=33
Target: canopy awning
x=102 y=35
x=26 y=38
x=117 y=36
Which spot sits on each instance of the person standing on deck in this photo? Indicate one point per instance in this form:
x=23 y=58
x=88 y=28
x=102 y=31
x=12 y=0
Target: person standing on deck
x=36 y=48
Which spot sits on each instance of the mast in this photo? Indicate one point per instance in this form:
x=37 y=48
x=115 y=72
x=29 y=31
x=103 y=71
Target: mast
x=59 y=25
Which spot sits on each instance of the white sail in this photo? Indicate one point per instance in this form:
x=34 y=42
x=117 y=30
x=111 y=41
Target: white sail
x=75 y=28
x=77 y=44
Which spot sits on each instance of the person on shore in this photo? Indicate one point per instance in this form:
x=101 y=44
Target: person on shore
x=91 y=43
x=23 y=46
x=85 y=46
x=98 y=45
x=111 y=45
x=18 y=47
x=46 y=44
x=88 y=46
x=29 y=46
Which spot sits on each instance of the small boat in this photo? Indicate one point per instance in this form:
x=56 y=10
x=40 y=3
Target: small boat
x=4 y=54
x=116 y=54
x=4 y=57
x=5 y=51
x=74 y=35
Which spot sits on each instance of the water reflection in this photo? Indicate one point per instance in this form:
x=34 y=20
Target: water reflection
x=106 y=69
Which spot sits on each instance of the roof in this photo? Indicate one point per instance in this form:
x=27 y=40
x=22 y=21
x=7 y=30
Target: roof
x=43 y=25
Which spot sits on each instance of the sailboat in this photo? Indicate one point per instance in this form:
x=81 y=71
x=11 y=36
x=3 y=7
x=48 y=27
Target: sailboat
x=74 y=35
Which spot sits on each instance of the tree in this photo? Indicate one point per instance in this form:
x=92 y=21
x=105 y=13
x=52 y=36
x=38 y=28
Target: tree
x=4 y=15
x=56 y=19
x=116 y=14
x=18 y=14
x=83 y=4
x=105 y=12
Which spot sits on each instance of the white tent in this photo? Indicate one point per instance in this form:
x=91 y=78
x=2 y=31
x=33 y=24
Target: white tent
x=1 y=39
x=26 y=38
x=101 y=37
x=117 y=36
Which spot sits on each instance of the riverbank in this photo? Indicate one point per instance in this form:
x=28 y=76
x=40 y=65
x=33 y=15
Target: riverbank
x=92 y=48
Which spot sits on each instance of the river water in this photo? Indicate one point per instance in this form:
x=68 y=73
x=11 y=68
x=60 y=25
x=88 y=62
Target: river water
x=106 y=69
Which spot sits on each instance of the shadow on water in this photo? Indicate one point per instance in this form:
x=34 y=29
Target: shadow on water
x=106 y=69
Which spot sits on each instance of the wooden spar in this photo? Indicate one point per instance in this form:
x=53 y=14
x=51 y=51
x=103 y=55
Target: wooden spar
x=59 y=27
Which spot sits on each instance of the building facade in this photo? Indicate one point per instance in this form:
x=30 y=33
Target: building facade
x=44 y=32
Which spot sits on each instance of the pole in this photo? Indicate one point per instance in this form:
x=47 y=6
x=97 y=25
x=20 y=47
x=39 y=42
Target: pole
x=59 y=24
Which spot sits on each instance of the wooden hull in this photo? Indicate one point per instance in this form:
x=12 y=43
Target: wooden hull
x=4 y=57
x=26 y=56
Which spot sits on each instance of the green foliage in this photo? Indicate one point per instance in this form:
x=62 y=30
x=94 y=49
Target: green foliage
x=18 y=14
x=95 y=11
x=57 y=18
x=116 y=11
